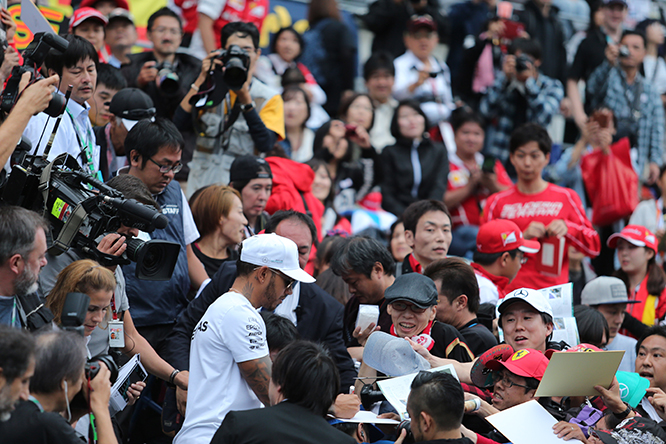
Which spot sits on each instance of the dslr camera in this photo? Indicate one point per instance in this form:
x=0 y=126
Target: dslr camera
x=523 y=62
x=167 y=79
x=236 y=62
x=33 y=58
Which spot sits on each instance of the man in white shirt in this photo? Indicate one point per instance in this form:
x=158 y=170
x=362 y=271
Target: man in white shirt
x=419 y=75
x=379 y=76
x=77 y=66
x=230 y=366
x=609 y=296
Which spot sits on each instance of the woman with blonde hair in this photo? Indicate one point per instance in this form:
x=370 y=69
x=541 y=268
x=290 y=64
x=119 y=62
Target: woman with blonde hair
x=89 y=277
x=218 y=213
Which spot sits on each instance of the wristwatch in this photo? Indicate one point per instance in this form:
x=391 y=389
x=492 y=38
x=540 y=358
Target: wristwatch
x=247 y=108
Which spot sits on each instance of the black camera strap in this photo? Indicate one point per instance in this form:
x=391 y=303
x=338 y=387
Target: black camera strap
x=75 y=219
x=231 y=117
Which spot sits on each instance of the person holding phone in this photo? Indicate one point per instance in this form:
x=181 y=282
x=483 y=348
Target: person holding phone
x=472 y=178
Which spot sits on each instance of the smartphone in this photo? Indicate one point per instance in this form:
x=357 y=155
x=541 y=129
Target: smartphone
x=488 y=165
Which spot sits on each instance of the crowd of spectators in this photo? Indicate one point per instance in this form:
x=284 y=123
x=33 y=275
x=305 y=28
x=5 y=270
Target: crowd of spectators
x=330 y=231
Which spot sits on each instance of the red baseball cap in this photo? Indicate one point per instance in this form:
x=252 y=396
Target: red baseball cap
x=421 y=21
x=528 y=363
x=91 y=4
x=83 y=14
x=500 y=235
x=636 y=235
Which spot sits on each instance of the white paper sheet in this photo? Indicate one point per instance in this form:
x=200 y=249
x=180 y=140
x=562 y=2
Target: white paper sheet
x=369 y=418
x=396 y=390
x=527 y=423
x=34 y=19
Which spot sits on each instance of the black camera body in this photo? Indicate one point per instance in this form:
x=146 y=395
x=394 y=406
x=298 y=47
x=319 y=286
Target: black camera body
x=33 y=58
x=236 y=62
x=405 y=425
x=81 y=209
x=523 y=62
x=168 y=79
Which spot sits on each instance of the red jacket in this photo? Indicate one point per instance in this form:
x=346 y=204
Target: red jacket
x=292 y=189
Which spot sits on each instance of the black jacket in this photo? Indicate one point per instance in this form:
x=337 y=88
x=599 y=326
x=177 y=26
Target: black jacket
x=187 y=68
x=282 y=423
x=550 y=35
x=398 y=174
x=319 y=319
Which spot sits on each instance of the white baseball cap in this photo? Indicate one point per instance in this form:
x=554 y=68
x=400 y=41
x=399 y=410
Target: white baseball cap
x=275 y=252
x=535 y=298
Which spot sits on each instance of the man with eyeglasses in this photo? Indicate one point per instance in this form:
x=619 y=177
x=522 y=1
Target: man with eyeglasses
x=165 y=31
x=154 y=150
x=230 y=366
x=247 y=120
x=514 y=381
x=500 y=252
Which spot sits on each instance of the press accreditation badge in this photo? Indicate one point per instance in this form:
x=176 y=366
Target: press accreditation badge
x=116 y=334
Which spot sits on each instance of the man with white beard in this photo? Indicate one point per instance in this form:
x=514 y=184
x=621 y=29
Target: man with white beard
x=22 y=256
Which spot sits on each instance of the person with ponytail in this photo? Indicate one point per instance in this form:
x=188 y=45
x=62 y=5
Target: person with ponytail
x=645 y=280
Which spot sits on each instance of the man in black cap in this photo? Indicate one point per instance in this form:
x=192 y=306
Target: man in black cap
x=253 y=179
x=412 y=305
x=128 y=106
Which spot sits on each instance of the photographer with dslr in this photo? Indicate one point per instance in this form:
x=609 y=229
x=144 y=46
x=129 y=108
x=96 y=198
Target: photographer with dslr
x=60 y=358
x=163 y=73
x=519 y=94
x=619 y=85
x=247 y=118
x=76 y=66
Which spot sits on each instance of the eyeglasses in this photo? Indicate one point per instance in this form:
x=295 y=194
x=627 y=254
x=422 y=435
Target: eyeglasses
x=506 y=382
x=164 y=169
x=161 y=30
x=401 y=306
x=288 y=282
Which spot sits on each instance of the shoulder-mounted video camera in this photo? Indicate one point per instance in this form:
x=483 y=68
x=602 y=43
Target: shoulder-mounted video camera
x=81 y=210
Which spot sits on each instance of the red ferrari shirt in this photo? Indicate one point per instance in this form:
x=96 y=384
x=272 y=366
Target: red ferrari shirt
x=552 y=203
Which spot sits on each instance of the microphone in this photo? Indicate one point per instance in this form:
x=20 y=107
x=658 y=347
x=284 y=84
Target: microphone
x=139 y=211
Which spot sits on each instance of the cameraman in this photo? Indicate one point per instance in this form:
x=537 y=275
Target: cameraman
x=77 y=66
x=520 y=94
x=60 y=358
x=436 y=406
x=619 y=85
x=33 y=99
x=114 y=244
x=256 y=112
x=165 y=31
x=22 y=256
